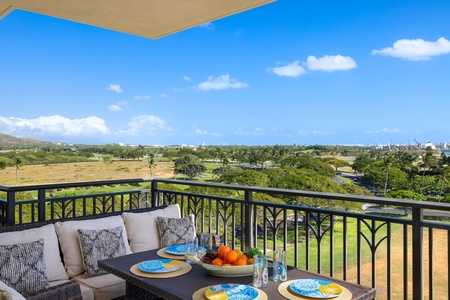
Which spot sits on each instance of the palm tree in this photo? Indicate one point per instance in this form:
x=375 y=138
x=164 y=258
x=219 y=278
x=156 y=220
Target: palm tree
x=151 y=164
x=387 y=162
x=18 y=162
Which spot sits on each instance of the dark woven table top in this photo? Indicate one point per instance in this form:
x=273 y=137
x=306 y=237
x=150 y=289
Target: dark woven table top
x=184 y=286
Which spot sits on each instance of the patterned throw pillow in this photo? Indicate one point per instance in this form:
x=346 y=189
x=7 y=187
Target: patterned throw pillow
x=174 y=231
x=100 y=244
x=22 y=266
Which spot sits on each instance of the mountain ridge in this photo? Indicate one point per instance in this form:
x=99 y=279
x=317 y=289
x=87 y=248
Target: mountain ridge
x=12 y=141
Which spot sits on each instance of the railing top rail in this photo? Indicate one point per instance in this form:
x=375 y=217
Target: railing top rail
x=69 y=185
x=331 y=196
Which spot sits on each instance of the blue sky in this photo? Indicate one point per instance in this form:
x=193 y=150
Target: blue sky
x=291 y=72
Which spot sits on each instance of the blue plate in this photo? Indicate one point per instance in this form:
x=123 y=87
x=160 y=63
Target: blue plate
x=176 y=249
x=179 y=249
x=231 y=291
x=315 y=288
x=160 y=266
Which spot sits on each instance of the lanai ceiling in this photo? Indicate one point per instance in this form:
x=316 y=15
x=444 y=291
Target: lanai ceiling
x=147 y=18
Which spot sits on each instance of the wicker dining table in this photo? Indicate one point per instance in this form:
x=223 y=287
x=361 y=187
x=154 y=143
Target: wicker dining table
x=184 y=286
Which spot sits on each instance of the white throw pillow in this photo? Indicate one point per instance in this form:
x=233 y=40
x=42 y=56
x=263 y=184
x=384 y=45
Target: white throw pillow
x=70 y=242
x=142 y=228
x=53 y=264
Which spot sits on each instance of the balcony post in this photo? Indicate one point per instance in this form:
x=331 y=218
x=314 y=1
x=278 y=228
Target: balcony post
x=248 y=231
x=41 y=205
x=155 y=198
x=10 y=208
x=417 y=253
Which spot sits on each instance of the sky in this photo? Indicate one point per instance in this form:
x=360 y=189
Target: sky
x=291 y=72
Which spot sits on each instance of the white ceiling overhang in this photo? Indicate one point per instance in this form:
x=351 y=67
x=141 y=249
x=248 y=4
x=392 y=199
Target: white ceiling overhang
x=147 y=18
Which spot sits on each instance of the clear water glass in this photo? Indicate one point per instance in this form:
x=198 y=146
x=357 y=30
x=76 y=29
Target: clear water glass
x=205 y=244
x=279 y=266
x=260 y=271
x=191 y=250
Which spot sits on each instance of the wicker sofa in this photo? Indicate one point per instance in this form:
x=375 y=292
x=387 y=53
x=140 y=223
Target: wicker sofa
x=65 y=261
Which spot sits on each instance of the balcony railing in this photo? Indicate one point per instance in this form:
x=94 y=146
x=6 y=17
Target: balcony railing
x=403 y=257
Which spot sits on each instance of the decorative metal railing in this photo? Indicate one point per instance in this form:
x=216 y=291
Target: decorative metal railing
x=403 y=257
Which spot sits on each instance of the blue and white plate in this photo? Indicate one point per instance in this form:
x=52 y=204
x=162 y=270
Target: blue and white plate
x=179 y=249
x=176 y=249
x=315 y=288
x=160 y=265
x=231 y=291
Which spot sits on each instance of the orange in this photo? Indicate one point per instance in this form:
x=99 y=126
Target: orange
x=226 y=265
x=222 y=251
x=250 y=261
x=240 y=262
x=231 y=256
x=217 y=262
x=244 y=257
x=239 y=253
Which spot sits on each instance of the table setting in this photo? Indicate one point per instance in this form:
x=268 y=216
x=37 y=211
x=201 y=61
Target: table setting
x=225 y=273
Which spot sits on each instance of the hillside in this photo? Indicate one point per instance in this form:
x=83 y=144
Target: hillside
x=11 y=141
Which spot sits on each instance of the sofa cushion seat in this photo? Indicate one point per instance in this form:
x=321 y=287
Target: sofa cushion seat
x=53 y=264
x=142 y=228
x=70 y=242
x=105 y=287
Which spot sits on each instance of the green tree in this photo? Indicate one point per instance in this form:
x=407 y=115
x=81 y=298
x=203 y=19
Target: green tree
x=18 y=163
x=4 y=162
x=151 y=164
x=245 y=177
x=189 y=165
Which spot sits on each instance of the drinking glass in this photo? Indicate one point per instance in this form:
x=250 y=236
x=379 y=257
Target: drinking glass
x=191 y=250
x=260 y=271
x=279 y=266
x=205 y=244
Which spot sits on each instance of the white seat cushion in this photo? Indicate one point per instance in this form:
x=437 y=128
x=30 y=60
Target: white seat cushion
x=70 y=242
x=142 y=228
x=54 y=267
x=105 y=287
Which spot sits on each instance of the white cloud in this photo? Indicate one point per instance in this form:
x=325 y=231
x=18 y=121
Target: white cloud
x=163 y=95
x=53 y=125
x=208 y=26
x=384 y=130
x=115 y=87
x=290 y=70
x=143 y=97
x=186 y=78
x=330 y=63
x=416 y=49
x=145 y=124
x=202 y=132
x=221 y=83
x=115 y=107
x=249 y=132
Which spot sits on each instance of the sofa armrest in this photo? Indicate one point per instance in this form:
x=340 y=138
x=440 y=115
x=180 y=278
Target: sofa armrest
x=66 y=291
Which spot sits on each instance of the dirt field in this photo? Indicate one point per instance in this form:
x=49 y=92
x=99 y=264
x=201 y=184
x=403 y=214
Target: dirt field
x=84 y=171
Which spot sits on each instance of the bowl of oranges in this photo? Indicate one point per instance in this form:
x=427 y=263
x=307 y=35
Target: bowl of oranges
x=228 y=262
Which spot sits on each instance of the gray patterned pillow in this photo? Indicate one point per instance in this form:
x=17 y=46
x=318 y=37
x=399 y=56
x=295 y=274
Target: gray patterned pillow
x=100 y=244
x=22 y=266
x=174 y=231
